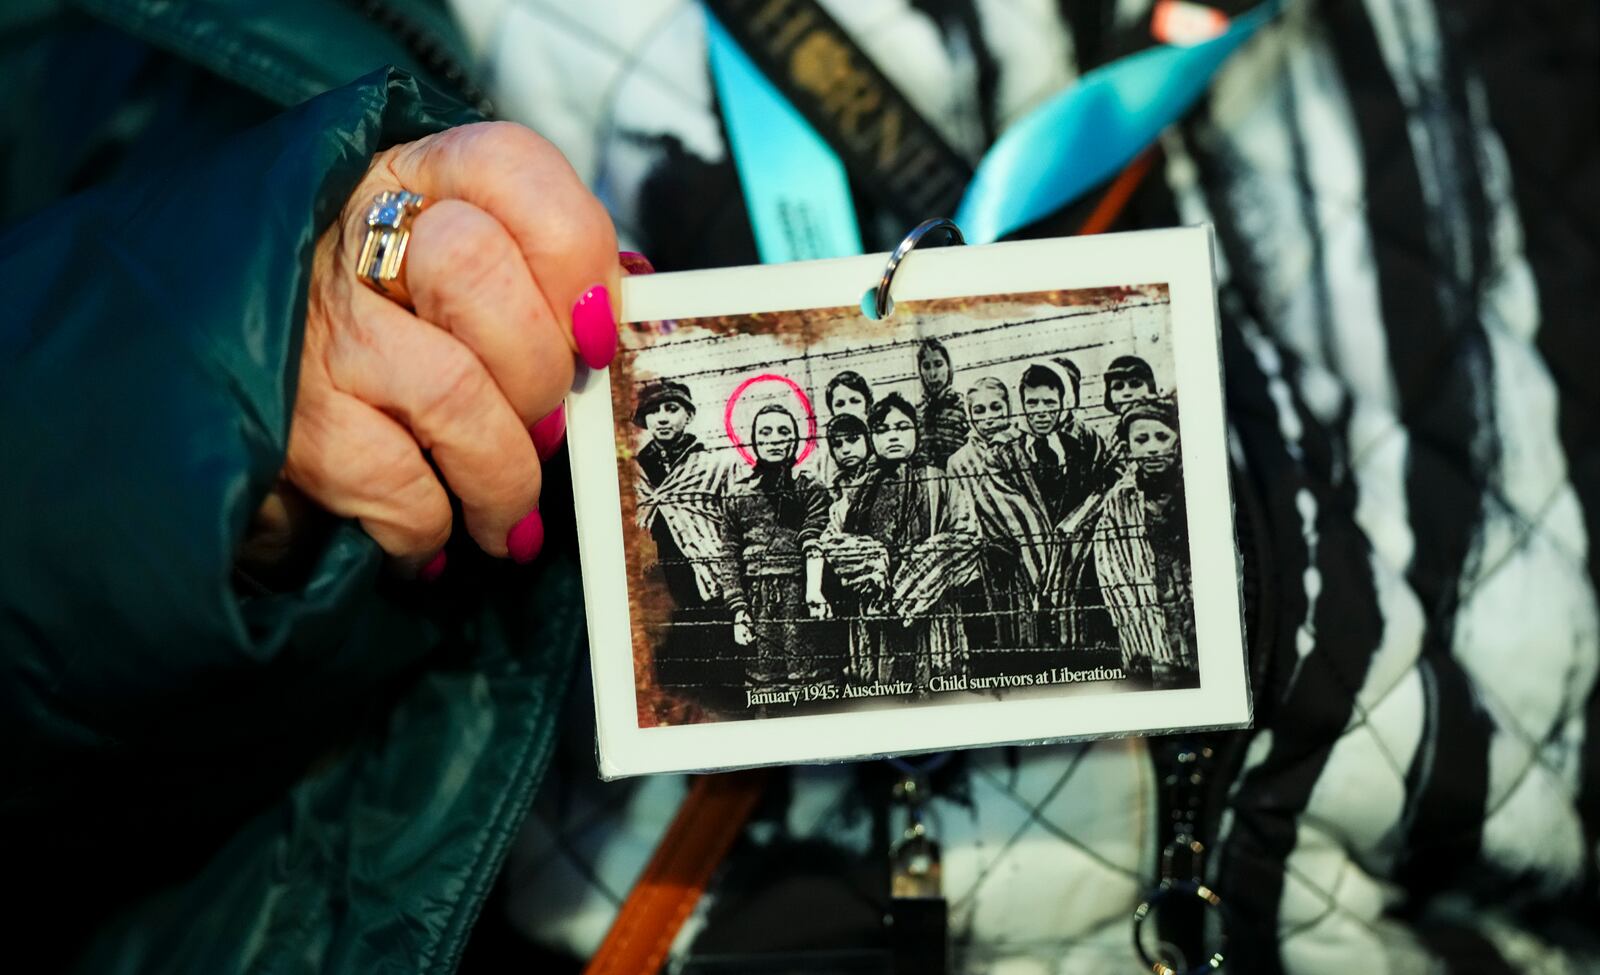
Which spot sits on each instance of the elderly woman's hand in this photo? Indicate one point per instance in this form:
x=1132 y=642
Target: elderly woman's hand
x=510 y=276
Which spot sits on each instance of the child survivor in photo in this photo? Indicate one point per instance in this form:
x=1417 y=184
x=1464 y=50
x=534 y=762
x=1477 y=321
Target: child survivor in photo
x=978 y=496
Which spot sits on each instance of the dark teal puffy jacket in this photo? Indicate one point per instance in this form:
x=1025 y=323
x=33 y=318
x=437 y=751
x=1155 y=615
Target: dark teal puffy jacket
x=200 y=775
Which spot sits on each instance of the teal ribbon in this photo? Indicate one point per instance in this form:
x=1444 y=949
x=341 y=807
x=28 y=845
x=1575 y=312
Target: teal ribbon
x=795 y=186
x=1083 y=136
x=1070 y=144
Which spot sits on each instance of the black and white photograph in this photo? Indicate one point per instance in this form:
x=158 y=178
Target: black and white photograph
x=985 y=497
x=978 y=498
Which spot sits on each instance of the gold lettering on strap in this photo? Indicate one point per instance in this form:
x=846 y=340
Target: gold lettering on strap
x=770 y=11
x=782 y=40
x=881 y=137
x=823 y=66
x=818 y=64
x=890 y=126
x=919 y=177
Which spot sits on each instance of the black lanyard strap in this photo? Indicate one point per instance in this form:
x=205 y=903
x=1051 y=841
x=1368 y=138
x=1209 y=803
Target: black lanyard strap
x=886 y=146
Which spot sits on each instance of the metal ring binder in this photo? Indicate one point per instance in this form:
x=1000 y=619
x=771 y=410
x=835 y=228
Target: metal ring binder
x=883 y=304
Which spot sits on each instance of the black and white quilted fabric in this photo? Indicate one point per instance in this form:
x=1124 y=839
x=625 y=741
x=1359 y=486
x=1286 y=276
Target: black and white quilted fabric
x=1407 y=201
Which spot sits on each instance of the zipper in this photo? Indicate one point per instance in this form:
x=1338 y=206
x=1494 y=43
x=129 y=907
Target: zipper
x=1194 y=774
x=429 y=50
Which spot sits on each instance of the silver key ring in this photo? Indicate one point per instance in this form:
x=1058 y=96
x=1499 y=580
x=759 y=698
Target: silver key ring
x=883 y=304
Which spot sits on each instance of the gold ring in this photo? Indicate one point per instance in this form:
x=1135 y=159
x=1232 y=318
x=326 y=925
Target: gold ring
x=388 y=232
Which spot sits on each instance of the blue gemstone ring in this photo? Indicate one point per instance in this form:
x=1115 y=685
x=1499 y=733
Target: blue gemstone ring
x=388 y=232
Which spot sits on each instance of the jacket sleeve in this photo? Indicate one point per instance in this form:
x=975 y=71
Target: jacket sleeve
x=149 y=344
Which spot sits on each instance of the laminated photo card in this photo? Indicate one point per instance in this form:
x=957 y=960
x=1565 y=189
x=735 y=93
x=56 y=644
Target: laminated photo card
x=998 y=513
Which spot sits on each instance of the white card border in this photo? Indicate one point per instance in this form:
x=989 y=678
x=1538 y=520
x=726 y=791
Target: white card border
x=1180 y=258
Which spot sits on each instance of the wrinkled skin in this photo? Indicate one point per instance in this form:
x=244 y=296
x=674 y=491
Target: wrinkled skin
x=473 y=346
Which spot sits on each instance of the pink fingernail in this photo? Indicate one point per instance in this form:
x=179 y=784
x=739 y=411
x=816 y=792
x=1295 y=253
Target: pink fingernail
x=434 y=569
x=594 y=327
x=526 y=537
x=549 y=432
x=635 y=263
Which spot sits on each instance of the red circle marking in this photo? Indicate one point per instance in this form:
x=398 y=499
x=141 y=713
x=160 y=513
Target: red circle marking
x=805 y=408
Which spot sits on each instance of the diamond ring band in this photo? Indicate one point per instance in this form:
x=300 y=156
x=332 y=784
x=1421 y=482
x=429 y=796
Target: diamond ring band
x=388 y=232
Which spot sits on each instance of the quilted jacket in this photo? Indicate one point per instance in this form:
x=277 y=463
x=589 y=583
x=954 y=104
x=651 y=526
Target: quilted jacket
x=206 y=776
x=1405 y=203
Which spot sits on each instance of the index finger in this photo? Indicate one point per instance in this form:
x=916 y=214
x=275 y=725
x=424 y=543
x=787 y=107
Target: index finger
x=564 y=232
